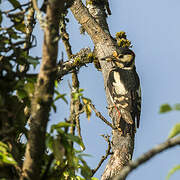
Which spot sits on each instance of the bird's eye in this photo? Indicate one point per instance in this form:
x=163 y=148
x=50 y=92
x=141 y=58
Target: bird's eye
x=121 y=56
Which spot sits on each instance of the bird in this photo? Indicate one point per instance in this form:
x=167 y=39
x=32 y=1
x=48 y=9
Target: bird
x=124 y=86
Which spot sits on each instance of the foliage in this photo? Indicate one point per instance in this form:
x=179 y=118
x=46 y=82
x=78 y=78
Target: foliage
x=172 y=171
x=85 y=102
x=66 y=158
x=5 y=156
x=17 y=84
x=174 y=131
x=165 y=108
x=87 y=107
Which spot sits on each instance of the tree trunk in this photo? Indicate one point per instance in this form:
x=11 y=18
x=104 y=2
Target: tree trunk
x=94 y=22
x=43 y=95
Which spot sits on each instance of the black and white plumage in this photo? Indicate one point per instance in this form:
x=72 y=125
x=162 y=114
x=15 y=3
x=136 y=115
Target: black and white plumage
x=124 y=86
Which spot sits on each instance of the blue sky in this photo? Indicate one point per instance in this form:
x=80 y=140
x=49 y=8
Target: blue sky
x=153 y=27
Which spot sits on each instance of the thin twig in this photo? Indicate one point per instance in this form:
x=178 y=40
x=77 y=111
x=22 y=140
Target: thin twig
x=146 y=156
x=71 y=65
x=103 y=158
x=30 y=21
x=65 y=38
x=67 y=46
x=99 y=115
x=18 y=7
x=34 y=2
x=67 y=67
x=78 y=126
x=75 y=82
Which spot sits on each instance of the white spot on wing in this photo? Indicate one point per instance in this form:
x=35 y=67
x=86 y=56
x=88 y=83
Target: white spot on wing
x=118 y=85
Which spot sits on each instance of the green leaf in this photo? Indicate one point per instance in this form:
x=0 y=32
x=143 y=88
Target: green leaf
x=177 y=107
x=20 y=27
x=49 y=141
x=54 y=107
x=74 y=162
x=165 y=108
x=172 y=171
x=81 y=90
x=60 y=125
x=85 y=170
x=79 y=178
x=5 y=156
x=31 y=79
x=75 y=139
x=6 y=40
x=56 y=92
x=13 y=34
x=33 y=60
x=20 y=84
x=88 y=111
x=174 y=131
x=61 y=96
x=15 y=3
x=8 y=159
x=29 y=88
x=21 y=93
x=76 y=95
x=56 y=83
x=86 y=173
x=83 y=154
x=3 y=147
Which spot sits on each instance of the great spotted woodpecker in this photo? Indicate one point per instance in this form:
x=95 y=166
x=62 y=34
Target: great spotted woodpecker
x=124 y=86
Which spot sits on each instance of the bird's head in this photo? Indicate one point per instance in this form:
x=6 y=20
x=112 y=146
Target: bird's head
x=125 y=59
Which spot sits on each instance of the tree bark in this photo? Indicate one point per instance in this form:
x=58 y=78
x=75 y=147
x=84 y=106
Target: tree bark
x=43 y=95
x=94 y=22
x=147 y=156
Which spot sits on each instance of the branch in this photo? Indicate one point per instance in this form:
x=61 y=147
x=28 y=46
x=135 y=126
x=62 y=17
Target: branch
x=103 y=158
x=34 y=2
x=30 y=22
x=75 y=104
x=83 y=57
x=99 y=115
x=95 y=31
x=146 y=156
x=65 y=39
x=98 y=10
x=17 y=7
